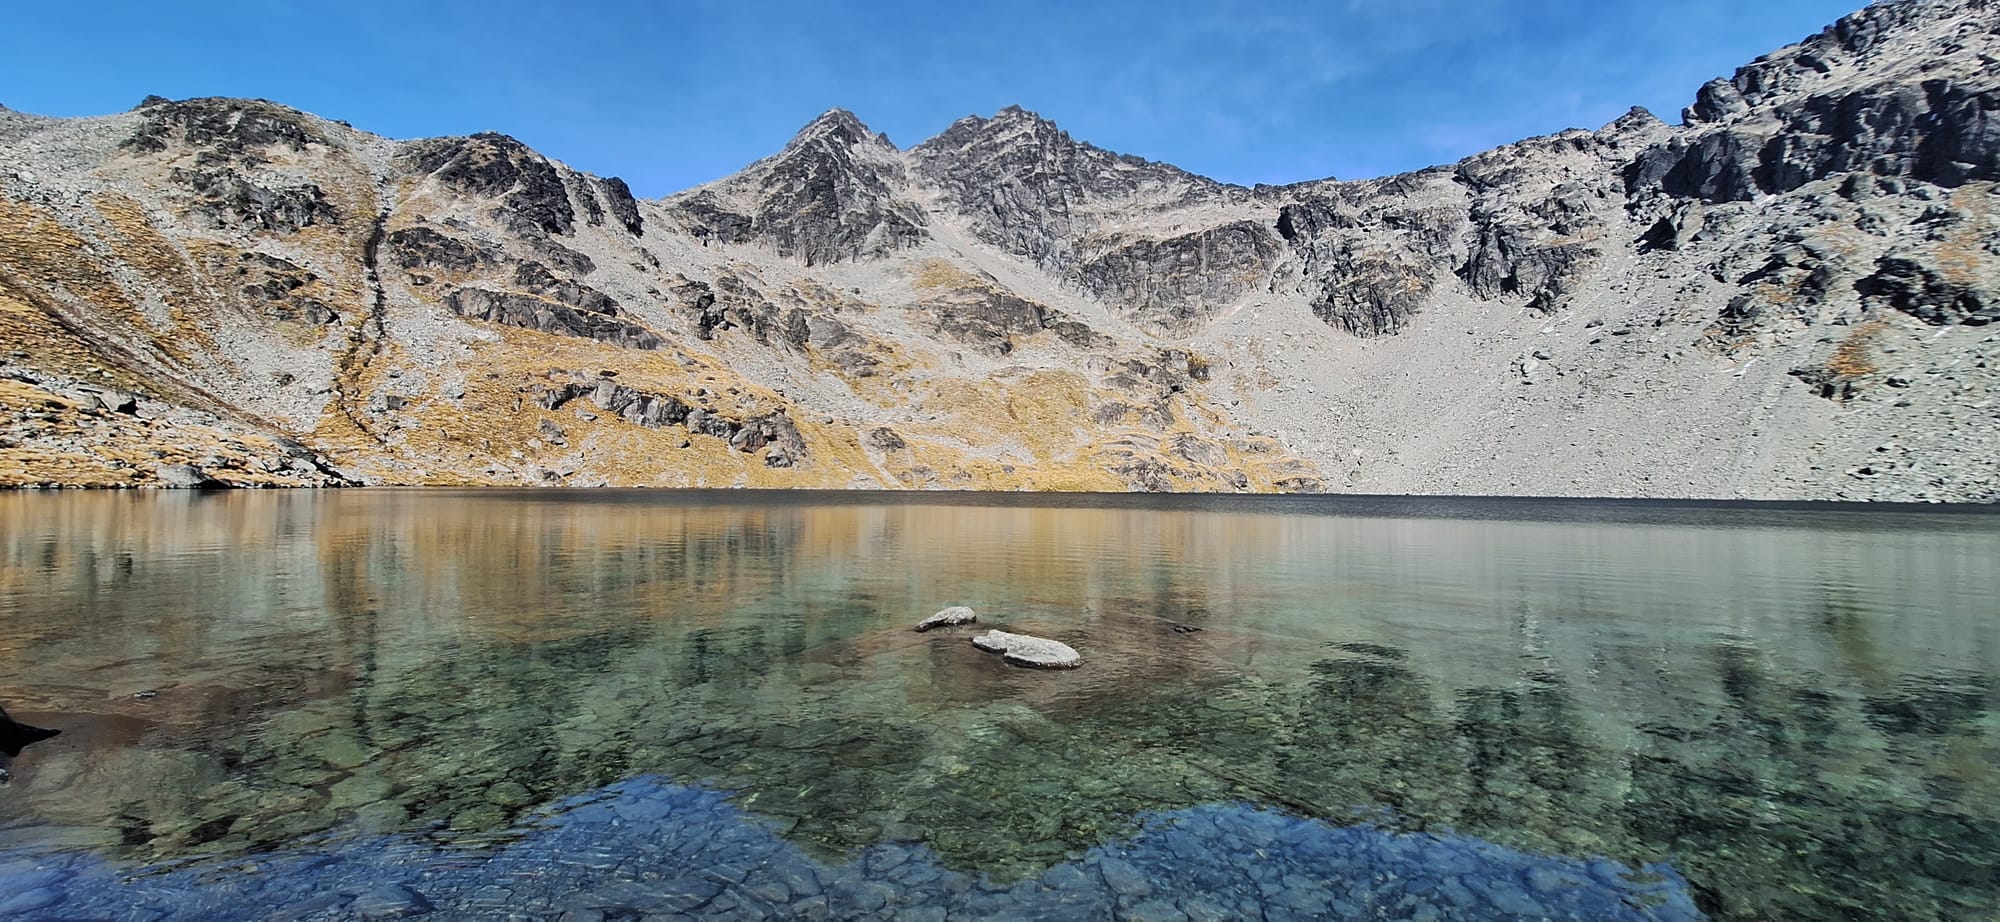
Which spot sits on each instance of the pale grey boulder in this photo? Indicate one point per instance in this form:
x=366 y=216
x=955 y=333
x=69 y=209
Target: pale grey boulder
x=1023 y=650
x=185 y=477
x=950 y=617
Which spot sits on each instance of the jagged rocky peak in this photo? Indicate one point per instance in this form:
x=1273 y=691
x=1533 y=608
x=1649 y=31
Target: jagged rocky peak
x=832 y=195
x=840 y=128
x=536 y=196
x=1030 y=189
x=1905 y=90
x=1890 y=36
x=533 y=199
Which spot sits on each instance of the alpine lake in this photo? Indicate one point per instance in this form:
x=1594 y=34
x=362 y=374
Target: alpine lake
x=615 y=705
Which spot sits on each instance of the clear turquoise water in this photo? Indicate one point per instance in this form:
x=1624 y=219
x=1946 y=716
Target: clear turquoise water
x=1396 y=709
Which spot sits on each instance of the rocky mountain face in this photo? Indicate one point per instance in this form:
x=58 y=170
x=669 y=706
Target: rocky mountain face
x=1786 y=295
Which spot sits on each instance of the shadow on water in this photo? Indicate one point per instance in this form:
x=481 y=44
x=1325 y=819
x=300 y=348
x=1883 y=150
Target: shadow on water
x=644 y=847
x=1777 y=728
x=16 y=736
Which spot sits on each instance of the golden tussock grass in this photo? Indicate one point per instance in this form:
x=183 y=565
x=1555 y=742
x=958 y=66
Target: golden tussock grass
x=39 y=254
x=1854 y=357
x=1962 y=257
x=454 y=441
x=938 y=274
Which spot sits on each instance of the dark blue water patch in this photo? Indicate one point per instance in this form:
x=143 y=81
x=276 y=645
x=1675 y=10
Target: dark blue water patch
x=646 y=847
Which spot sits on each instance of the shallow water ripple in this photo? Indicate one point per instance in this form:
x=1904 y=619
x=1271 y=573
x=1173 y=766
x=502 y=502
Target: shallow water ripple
x=646 y=846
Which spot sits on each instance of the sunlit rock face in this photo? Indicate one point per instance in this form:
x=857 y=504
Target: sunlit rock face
x=1789 y=294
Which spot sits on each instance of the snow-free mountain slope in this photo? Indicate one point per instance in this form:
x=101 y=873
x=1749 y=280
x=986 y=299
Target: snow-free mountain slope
x=1786 y=295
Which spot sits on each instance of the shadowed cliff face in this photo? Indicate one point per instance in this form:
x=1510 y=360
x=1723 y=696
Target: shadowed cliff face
x=1815 y=252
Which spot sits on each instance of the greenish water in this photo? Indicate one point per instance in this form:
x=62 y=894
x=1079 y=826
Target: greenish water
x=1792 y=708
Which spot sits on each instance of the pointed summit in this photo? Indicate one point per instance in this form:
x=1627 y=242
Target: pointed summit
x=1016 y=113
x=1032 y=190
x=1014 y=124
x=830 y=196
x=838 y=126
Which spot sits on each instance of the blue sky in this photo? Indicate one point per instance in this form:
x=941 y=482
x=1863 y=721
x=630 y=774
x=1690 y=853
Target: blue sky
x=671 y=94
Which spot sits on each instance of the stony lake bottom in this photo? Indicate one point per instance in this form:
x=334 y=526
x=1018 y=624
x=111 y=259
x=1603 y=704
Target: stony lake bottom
x=625 y=705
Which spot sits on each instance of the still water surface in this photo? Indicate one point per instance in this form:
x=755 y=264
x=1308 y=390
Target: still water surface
x=613 y=704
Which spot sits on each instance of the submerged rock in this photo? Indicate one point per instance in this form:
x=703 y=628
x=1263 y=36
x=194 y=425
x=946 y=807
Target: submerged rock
x=950 y=617
x=1023 y=650
x=393 y=901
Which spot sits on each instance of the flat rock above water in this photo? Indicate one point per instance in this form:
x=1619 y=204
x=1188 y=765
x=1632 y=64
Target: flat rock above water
x=950 y=617
x=1023 y=650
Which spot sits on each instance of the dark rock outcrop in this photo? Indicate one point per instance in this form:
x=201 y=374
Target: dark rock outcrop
x=985 y=319
x=536 y=278
x=1931 y=294
x=1355 y=281
x=228 y=199
x=1169 y=371
x=1963 y=143
x=1509 y=260
x=1075 y=332
x=1675 y=230
x=530 y=190
x=1794 y=70
x=731 y=303
x=697 y=299
x=546 y=316
x=1780 y=124
x=772 y=433
x=559 y=256
x=1369 y=292
x=1030 y=190
x=618 y=198
x=423 y=247
x=277 y=286
x=710 y=222
x=222 y=130
x=882 y=438
x=828 y=197
x=1182 y=281
x=584 y=193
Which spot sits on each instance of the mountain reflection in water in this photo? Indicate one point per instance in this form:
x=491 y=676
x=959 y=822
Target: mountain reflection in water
x=1792 y=710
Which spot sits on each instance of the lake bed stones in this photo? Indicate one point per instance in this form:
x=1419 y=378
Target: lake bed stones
x=950 y=617
x=1023 y=650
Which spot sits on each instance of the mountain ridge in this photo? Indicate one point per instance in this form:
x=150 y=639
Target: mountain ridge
x=1002 y=306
